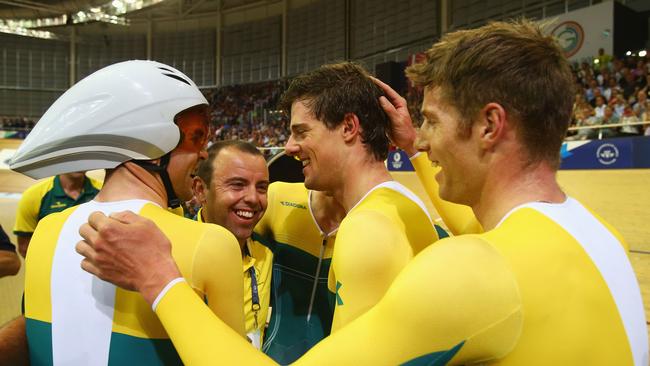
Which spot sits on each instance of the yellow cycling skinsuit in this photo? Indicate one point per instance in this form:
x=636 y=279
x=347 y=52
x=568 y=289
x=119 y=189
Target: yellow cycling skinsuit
x=302 y=305
x=73 y=318
x=46 y=197
x=259 y=258
x=550 y=285
x=376 y=239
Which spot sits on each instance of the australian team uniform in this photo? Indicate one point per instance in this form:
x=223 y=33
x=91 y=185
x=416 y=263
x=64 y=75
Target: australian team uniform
x=74 y=318
x=301 y=302
x=46 y=197
x=551 y=284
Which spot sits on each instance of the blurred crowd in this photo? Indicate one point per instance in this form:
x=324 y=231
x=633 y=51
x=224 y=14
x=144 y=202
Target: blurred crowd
x=611 y=91
x=248 y=112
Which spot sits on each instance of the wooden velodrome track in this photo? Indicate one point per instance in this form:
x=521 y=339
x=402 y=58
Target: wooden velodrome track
x=622 y=197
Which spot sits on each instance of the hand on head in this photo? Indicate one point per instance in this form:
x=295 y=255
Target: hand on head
x=402 y=132
x=129 y=251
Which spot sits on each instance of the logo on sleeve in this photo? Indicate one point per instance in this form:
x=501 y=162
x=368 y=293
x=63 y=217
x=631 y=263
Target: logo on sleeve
x=339 y=300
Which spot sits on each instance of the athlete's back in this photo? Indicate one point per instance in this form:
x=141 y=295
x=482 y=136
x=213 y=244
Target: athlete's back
x=74 y=318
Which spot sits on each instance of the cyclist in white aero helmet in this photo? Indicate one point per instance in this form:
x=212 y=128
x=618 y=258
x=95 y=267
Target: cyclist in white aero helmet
x=147 y=124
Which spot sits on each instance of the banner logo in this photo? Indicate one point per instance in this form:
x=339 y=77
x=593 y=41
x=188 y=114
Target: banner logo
x=607 y=154
x=397 y=161
x=570 y=36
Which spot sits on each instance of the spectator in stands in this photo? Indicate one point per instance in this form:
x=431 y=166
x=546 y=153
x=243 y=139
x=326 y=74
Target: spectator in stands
x=611 y=89
x=603 y=58
x=608 y=118
x=585 y=117
x=628 y=83
x=641 y=107
x=590 y=92
x=48 y=196
x=628 y=116
x=619 y=104
x=603 y=76
x=599 y=107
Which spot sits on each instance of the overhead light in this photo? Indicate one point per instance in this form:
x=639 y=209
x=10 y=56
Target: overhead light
x=642 y=53
x=628 y=53
x=21 y=31
x=110 y=12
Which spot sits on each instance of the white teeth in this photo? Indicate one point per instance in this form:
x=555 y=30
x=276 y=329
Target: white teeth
x=305 y=162
x=246 y=214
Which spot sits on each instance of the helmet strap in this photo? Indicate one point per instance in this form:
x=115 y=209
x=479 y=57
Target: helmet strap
x=172 y=200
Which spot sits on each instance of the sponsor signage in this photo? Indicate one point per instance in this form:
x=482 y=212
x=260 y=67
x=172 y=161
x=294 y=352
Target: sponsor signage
x=612 y=153
x=399 y=161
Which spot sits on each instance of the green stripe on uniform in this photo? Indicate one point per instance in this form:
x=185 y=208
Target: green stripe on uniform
x=39 y=338
x=129 y=350
x=440 y=358
x=124 y=349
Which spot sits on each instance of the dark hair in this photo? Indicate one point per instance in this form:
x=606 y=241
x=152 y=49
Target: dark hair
x=511 y=63
x=204 y=170
x=332 y=91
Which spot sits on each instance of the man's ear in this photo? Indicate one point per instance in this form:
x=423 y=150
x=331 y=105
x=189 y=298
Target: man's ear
x=351 y=127
x=200 y=189
x=492 y=124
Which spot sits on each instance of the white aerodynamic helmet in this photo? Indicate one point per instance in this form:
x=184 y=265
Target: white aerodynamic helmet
x=122 y=112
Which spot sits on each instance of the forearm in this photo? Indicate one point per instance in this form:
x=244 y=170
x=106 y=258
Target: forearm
x=459 y=219
x=199 y=336
x=13 y=343
x=9 y=263
x=23 y=243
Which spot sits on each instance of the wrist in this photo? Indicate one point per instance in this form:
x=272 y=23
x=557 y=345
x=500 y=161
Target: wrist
x=156 y=282
x=410 y=150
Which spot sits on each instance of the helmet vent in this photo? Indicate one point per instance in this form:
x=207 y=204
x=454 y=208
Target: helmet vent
x=172 y=75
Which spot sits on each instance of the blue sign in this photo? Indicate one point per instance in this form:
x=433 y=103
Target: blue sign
x=613 y=153
x=399 y=161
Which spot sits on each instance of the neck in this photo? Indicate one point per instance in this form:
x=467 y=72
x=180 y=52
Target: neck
x=131 y=181
x=242 y=245
x=508 y=188
x=328 y=213
x=355 y=185
x=71 y=186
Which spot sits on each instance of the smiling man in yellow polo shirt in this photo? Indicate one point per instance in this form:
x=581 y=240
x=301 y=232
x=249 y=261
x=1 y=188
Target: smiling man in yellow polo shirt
x=231 y=184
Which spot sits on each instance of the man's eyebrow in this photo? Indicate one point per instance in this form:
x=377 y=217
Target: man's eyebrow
x=428 y=113
x=236 y=180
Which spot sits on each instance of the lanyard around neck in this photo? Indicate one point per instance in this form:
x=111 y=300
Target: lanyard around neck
x=255 y=306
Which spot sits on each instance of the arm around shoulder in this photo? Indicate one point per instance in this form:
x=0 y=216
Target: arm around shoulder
x=457 y=300
x=459 y=219
x=200 y=337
